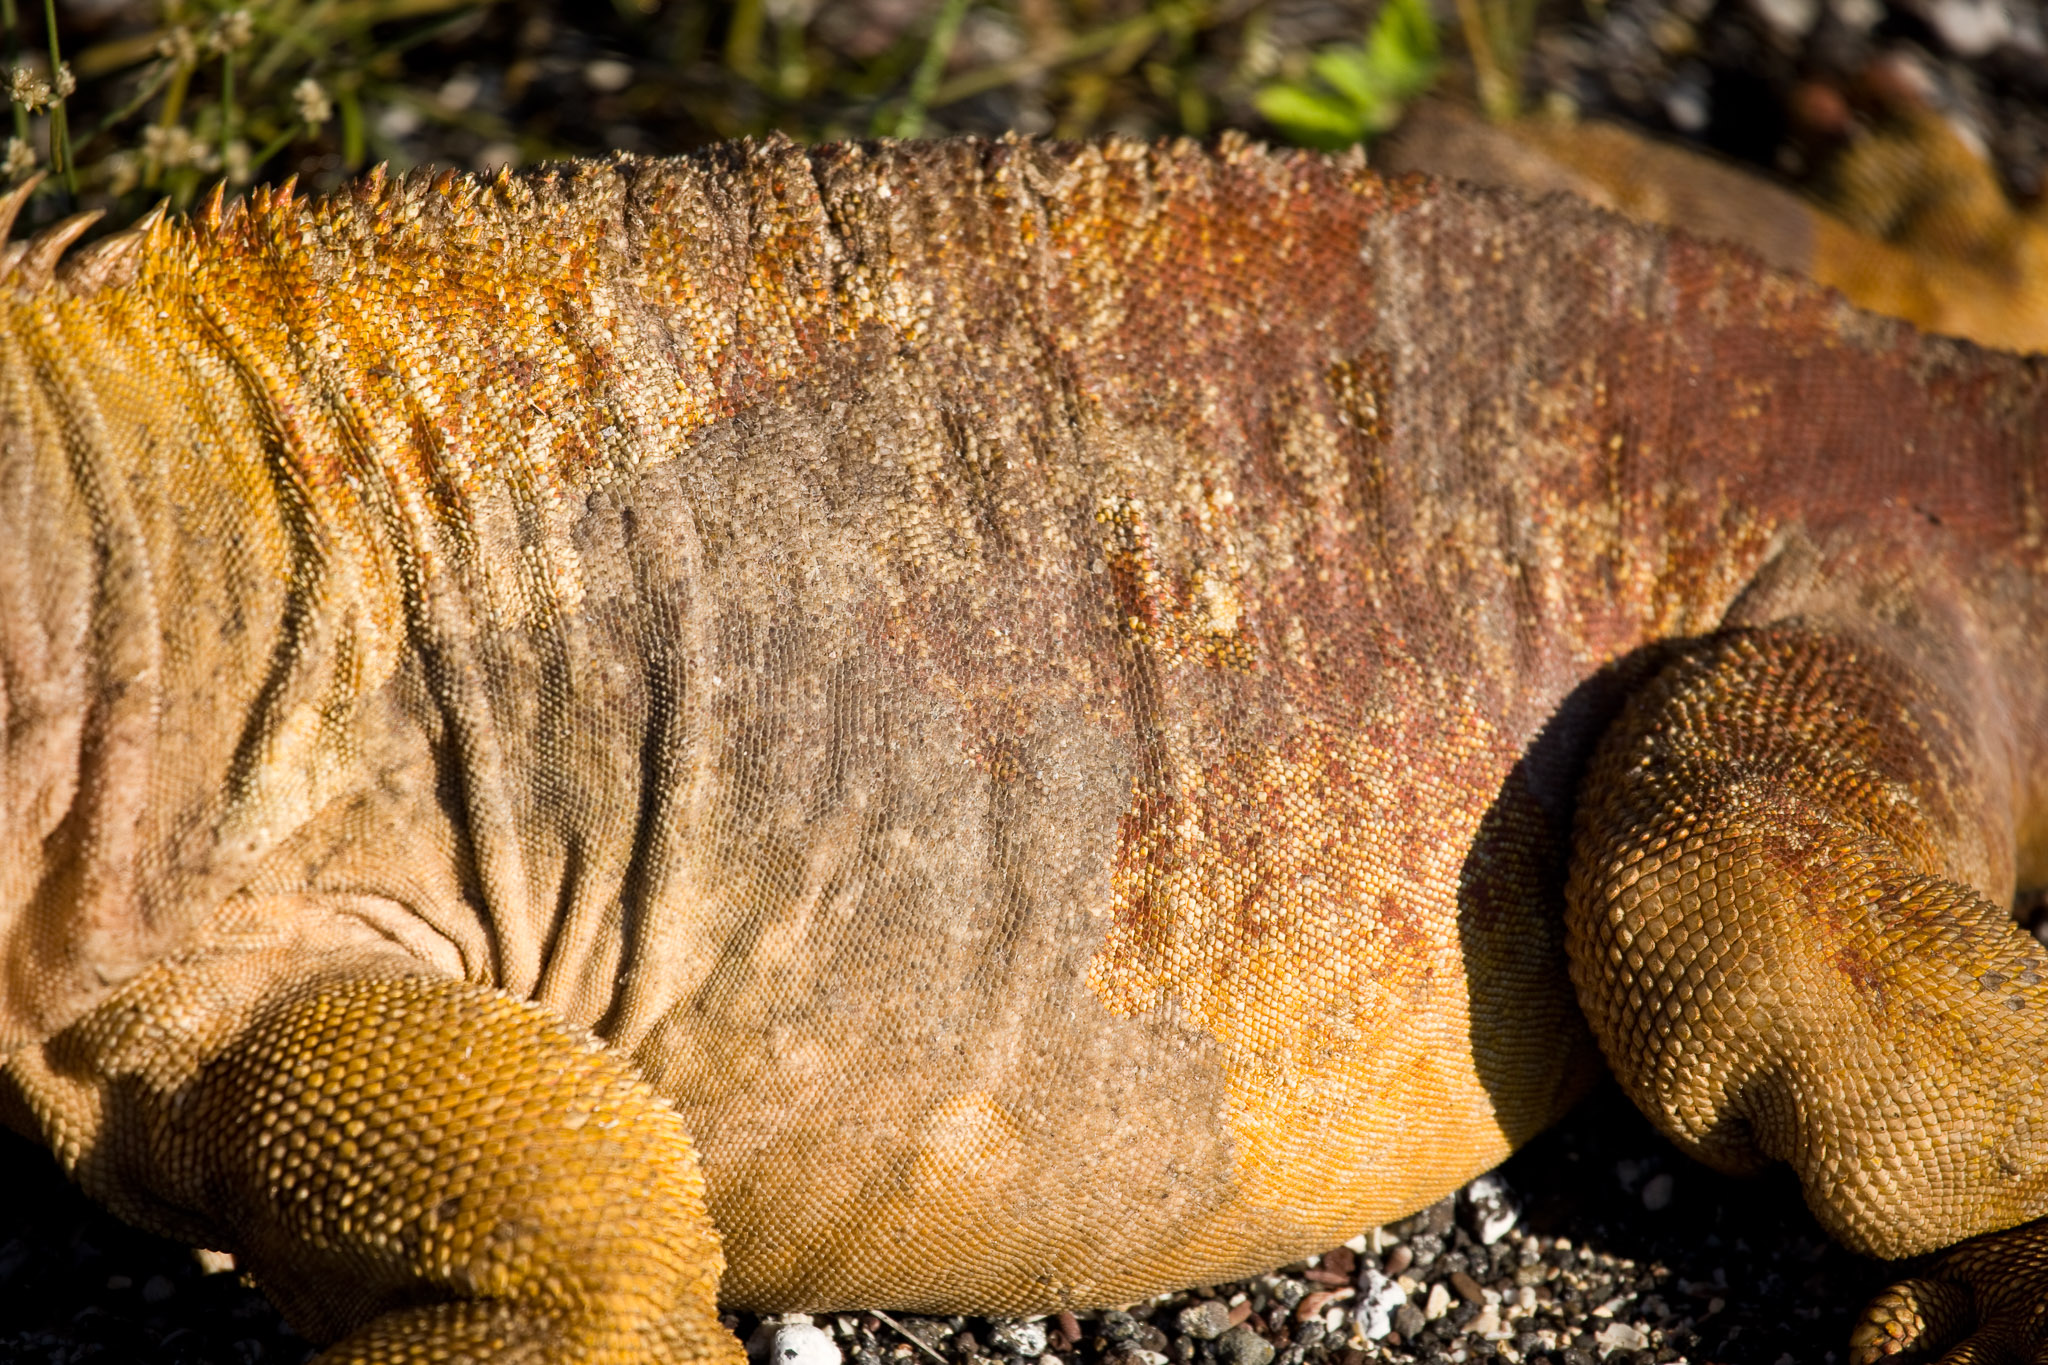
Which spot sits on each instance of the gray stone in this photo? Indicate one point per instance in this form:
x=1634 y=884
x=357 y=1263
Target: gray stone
x=1242 y=1346
x=1205 y=1321
x=1118 y=1326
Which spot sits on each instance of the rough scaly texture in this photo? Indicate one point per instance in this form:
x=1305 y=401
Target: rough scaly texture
x=1036 y=696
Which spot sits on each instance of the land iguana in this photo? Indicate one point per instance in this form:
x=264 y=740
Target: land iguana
x=994 y=726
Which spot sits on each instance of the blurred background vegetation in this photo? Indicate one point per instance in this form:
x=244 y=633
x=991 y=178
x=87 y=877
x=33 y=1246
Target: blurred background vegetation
x=126 y=102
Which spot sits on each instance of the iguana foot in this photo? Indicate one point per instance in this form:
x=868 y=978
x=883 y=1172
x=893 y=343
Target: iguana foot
x=417 y=1169
x=447 y=1143
x=1985 y=1303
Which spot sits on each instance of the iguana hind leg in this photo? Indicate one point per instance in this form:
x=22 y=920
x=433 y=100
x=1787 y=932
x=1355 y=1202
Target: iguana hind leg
x=422 y=1169
x=1787 y=929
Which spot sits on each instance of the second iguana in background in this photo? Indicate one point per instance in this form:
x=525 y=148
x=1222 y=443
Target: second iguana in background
x=993 y=727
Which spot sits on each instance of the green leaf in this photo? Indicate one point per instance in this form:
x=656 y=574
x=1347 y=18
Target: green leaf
x=1358 y=89
x=1309 y=116
x=1347 y=70
x=1402 y=49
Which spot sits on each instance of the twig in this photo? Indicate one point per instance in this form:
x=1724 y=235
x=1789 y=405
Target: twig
x=914 y=1341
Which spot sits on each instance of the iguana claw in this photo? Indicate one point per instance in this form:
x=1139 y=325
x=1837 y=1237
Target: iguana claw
x=1985 y=1303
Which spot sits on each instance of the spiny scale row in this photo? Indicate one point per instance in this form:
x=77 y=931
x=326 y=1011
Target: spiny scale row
x=38 y=261
x=34 y=262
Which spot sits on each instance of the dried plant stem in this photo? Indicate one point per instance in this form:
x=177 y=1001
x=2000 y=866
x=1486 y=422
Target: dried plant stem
x=930 y=67
x=60 y=126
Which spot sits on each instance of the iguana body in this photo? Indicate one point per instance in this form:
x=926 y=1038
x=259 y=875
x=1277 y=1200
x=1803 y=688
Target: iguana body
x=1035 y=696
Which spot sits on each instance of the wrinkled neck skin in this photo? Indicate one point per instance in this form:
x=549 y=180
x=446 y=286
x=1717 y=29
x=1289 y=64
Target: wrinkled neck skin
x=310 y=505
x=146 y=589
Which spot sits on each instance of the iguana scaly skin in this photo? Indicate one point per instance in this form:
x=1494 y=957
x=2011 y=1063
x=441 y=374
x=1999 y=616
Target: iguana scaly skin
x=1034 y=700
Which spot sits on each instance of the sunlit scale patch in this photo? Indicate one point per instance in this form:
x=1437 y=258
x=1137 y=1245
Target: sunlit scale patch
x=1286 y=901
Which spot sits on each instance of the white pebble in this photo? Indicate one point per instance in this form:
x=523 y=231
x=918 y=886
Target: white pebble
x=1378 y=1297
x=1493 y=1208
x=1788 y=19
x=607 y=75
x=1968 y=28
x=796 y=1340
x=1657 y=1193
x=1027 y=1339
x=1439 y=1302
x=1622 y=1336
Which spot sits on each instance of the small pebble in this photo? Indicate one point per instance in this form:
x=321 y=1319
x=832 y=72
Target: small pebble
x=1439 y=1302
x=1118 y=1326
x=1968 y=28
x=1788 y=20
x=1622 y=1336
x=1312 y=1305
x=1490 y=1208
x=1243 y=1346
x=1137 y=1355
x=1657 y=1193
x=607 y=75
x=1025 y=1339
x=1205 y=1321
x=156 y=1289
x=794 y=1340
x=1686 y=104
x=1379 y=1299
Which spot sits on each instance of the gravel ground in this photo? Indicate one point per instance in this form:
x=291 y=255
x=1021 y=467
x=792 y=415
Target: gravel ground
x=1619 y=1250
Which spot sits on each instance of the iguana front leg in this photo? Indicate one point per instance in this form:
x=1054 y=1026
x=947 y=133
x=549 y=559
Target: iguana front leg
x=1783 y=930
x=419 y=1169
